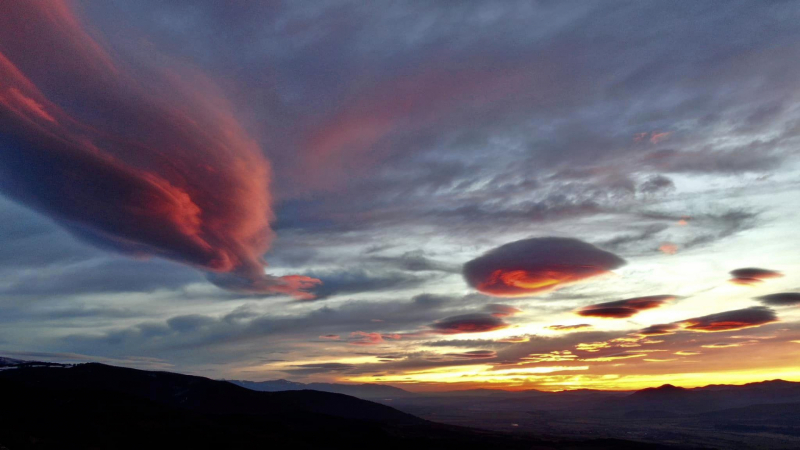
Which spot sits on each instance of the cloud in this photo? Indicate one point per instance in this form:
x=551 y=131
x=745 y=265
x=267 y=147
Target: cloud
x=660 y=329
x=330 y=337
x=657 y=184
x=730 y=344
x=563 y=355
x=780 y=299
x=431 y=300
x=739 y=319
x=645 y=234
x=469 y=323
x=625 y=308
x=416 y=261
x=668 y=247
x=615 y=357
x=474 y=354
x=533 y=266
x=498 y=310
x=752 y=275
x=579 y=326
x=731 y=320
x=592 y=346
x=337 y=282
x=362 y=338
x=160 y=167
x=315 y=368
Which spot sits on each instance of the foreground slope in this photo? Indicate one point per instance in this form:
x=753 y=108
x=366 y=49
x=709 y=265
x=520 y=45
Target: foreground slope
x=99 y=406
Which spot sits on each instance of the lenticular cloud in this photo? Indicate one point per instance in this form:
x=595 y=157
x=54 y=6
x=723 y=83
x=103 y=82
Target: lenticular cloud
x=621 y=309
x=148 y=164
x=533 y=266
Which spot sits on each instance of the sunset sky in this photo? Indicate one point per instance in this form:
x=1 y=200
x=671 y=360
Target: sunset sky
x=434 y=195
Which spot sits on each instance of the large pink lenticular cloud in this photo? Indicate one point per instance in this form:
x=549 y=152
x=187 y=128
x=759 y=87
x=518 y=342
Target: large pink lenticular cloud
x=151 y=162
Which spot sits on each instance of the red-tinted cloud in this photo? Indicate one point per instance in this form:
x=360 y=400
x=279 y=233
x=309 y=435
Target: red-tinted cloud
x=738 y=319
x=475 y=354
x=364 y=338
x=469 y=323
x=781 y=299
x=150 y=162
x=654 y=136
x=669 y=248
x=731 y=320
x=752 y=275
x=625 y=308
x=498 y=310
x=354 y=136
x=534 y=266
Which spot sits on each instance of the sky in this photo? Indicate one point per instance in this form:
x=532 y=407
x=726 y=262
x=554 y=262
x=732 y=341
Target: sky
x=434 y=195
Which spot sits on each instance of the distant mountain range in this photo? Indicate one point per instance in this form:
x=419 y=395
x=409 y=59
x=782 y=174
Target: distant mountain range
x=763 y=415
x=710 y=398
x=664 y=398
x=365 y=391
x=53 y=406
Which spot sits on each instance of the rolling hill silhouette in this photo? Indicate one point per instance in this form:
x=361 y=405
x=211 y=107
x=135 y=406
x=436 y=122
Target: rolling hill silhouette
x=100 y=406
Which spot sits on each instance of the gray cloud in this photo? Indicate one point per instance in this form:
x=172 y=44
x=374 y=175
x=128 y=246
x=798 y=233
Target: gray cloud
x=780 y=299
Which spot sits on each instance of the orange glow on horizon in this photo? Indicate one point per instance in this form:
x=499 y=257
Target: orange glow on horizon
x=554 y=382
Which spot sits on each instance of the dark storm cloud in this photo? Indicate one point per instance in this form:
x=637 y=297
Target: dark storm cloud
x=469 y=323
x=752 y=275
x=780 y=299
x=537 y=265
x=625 y=308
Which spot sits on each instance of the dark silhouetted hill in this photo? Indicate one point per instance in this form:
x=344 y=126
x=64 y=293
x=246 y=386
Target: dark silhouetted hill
x=366 y=391
x=95 y=406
